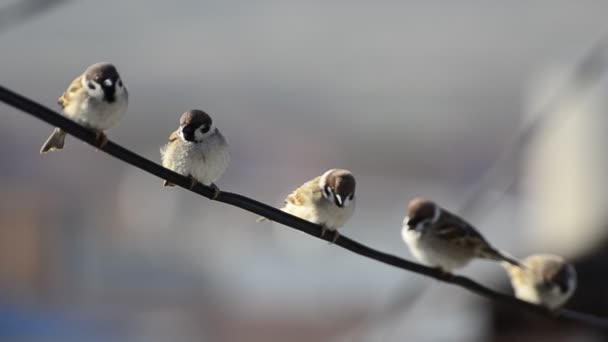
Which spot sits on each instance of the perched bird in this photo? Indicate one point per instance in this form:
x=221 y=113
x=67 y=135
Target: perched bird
x=327 y=200
x=96 y=99
x=443 y=240
x=197 y=150
x=547 y=280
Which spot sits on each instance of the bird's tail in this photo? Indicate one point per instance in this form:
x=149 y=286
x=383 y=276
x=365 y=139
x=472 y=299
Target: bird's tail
x=494 y=254
x=54 y=142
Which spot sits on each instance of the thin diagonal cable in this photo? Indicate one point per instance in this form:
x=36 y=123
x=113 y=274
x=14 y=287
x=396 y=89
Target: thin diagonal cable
x=587 y=72
x=53 y=118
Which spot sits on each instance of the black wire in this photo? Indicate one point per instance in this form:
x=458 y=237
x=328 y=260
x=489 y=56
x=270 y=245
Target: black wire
x=28 y=106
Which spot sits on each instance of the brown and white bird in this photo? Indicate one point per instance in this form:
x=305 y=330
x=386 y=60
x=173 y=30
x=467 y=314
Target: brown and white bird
x=546 y=280
x=443 y=240
x=96 y=99
x=327 y=200
x=197 y=150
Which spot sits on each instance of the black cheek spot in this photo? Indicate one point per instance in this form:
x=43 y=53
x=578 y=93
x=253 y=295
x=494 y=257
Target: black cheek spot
x=91 y=85
x=205 y=129
x=119 y=83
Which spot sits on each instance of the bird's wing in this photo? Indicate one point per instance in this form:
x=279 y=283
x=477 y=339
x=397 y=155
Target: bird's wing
x=458 y=231
x=305 y=194
x=75 y=89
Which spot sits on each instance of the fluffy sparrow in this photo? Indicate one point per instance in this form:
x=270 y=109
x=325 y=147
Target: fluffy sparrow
x=546 y=280
x=96 y=99
x=441 y=239
x=197 y=150
x=327 y=200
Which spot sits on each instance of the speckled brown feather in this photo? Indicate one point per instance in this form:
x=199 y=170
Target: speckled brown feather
x=74 y=89
x=456 y=231
x=309 y=191
x=543 y=268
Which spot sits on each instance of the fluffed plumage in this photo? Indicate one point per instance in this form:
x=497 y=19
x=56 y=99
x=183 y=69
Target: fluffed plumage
x=546 y=280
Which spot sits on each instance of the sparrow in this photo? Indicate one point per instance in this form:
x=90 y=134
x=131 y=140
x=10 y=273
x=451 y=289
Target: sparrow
x=97 y=99
x=197 y=150
x=546 y=280
x=443 y=240
x=327 y=200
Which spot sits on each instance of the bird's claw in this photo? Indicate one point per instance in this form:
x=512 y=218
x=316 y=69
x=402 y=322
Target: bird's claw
x=193 y=183
x=443 y=274
x=336 y=237
x=100 y=139
x=324 y=230
x=216 y=191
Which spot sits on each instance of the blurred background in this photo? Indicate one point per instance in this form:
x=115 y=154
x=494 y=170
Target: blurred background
x=415 y=98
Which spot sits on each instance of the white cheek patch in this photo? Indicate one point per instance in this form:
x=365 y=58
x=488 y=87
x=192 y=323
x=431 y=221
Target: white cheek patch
x=198 y=135
x=108 y=82
x=339 y=199
x=436 y=214
x=181 y=134
x=571 y=282
x=347 y=201
x=328 y=194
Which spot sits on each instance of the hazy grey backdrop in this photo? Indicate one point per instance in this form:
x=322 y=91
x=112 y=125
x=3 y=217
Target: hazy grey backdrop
x=415 y=98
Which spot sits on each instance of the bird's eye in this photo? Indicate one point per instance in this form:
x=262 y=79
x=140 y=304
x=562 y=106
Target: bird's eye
x=205 y=128
x=91 y=85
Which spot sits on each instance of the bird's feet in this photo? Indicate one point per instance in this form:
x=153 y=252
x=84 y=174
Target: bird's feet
x=336 y=237
x=193 y=182
x=443 y=274
x=216 y=191
x=323 y=230
x=100 y=139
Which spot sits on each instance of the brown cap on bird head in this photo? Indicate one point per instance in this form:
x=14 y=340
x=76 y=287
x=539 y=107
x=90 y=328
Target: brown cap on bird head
x=194 y=120
x=100 y=72
x=420 y=209
x=195 y=117
x=342 y=183
x=106 y=76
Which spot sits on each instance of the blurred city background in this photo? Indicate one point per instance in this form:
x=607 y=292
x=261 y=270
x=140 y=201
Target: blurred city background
x=415 y=98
